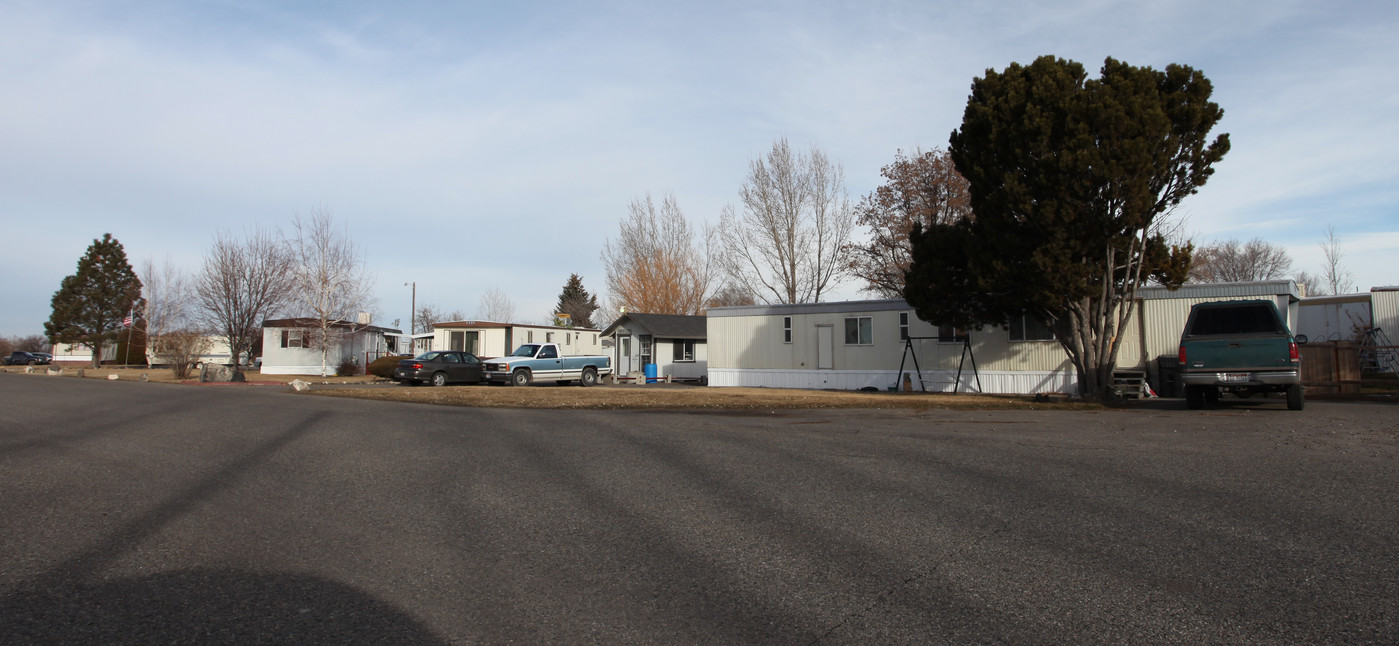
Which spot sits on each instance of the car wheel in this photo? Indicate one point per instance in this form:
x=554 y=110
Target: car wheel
x=520 y=378
x=1194 y=397
x=439 y=379
x=1294 y=397
x=589 y=378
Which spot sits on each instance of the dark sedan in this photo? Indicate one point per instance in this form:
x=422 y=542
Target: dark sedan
x=439 y=368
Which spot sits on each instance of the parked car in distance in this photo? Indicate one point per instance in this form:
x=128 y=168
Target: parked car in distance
x=1240 y=347
x=28 y=358
x=439 y=368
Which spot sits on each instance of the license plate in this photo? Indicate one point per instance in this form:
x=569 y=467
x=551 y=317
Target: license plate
x=1232 y=377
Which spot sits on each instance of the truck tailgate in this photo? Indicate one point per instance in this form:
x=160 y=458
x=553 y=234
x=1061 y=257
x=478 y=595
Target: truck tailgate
x=1257 y=353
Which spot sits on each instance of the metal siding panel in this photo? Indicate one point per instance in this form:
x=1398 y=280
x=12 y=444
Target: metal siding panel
x=1384 y=312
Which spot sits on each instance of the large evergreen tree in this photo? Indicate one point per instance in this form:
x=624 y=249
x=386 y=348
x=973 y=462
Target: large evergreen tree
x=90 y=305
x=1068 y=177
x=577 y=303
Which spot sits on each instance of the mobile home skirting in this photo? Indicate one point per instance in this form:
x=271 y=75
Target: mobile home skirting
x=1001 y=382
x=313 y=370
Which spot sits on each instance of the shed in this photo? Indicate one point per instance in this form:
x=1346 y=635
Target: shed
x=676 y=343
x=1384 y=311
x=1334 y=318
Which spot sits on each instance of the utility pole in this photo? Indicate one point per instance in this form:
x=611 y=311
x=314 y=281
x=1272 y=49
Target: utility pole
x=412 y=322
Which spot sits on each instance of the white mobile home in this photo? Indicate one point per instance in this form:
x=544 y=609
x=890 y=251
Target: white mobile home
x=674 y=342
x=488 y=339
x=80 y=353
x=288 y=346
x=861 y=344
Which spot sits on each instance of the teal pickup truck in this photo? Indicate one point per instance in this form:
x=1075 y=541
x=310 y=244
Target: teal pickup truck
x=1240 y=347
x=544 y=362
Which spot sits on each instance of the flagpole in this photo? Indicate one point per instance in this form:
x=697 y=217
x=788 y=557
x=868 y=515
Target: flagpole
x=131 y=316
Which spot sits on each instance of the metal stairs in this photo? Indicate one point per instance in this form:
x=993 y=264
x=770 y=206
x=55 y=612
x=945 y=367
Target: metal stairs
x=1130 y=384
x=1377 y=353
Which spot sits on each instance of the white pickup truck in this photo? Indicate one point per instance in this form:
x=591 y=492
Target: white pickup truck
x=543 y=362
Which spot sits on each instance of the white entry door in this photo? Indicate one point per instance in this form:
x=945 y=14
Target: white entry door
x=825 y=347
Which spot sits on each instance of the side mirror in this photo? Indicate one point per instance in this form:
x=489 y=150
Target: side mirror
x=1301 y=339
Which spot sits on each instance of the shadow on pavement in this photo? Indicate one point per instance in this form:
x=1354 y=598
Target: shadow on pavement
x=208 y=606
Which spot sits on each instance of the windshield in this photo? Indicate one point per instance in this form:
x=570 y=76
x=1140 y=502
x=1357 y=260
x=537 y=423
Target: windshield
x=525 y=351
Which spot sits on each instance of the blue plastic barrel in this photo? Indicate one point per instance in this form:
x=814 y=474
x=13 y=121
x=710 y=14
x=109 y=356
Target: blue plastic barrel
x=652 y=375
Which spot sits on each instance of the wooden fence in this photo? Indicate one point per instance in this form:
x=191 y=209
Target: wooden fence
x=1338 y=367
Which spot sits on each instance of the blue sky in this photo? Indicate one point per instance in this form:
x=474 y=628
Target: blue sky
x=470 y=146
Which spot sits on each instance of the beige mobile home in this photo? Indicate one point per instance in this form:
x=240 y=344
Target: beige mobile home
x=860 y=344
x=488 y=339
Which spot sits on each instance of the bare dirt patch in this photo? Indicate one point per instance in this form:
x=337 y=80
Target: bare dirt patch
x=611 y=397
x=164 y=375
x=658 y=396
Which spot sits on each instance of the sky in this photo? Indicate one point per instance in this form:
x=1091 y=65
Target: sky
x=468 y=146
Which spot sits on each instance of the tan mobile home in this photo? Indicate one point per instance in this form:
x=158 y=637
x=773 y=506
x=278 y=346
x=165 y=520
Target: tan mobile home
x=861 y=344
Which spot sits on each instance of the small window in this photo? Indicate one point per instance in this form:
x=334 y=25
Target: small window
x=1029 y=328
x=683 y=350
x=529 y=336
x=903 y=326
x=567 y=338
x=594 y=339
x=786 y=329
x=859 y=330
x=548 y=337
x=950 y=334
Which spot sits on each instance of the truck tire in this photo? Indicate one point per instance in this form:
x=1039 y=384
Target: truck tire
x=589 y=378
x=520 y=377
x=439 y=379
x=1194 y=397
x=1294 y=397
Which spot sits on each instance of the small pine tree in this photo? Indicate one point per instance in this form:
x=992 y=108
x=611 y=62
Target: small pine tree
x=89 y=306
x=577 y=303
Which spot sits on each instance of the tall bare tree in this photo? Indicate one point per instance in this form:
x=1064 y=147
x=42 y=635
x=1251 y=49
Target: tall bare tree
x=789 y=243
x=495 y=306
x=1334 y=277
x=429 y=314
x=330 y=282
x=1230 y=261
x=924 y=188
x=241 y=283
x=730 y=295
x=657 y=264
x=1309 y=283
x=169 y=295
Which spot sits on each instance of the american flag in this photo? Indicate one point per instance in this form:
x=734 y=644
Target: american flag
x=126 y=322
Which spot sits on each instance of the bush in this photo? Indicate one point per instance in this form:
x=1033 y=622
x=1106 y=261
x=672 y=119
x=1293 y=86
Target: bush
x=384 y=366
x=180 y=350
x=348 y=368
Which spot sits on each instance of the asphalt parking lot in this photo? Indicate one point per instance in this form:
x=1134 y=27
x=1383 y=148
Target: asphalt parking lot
x=156 y=513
